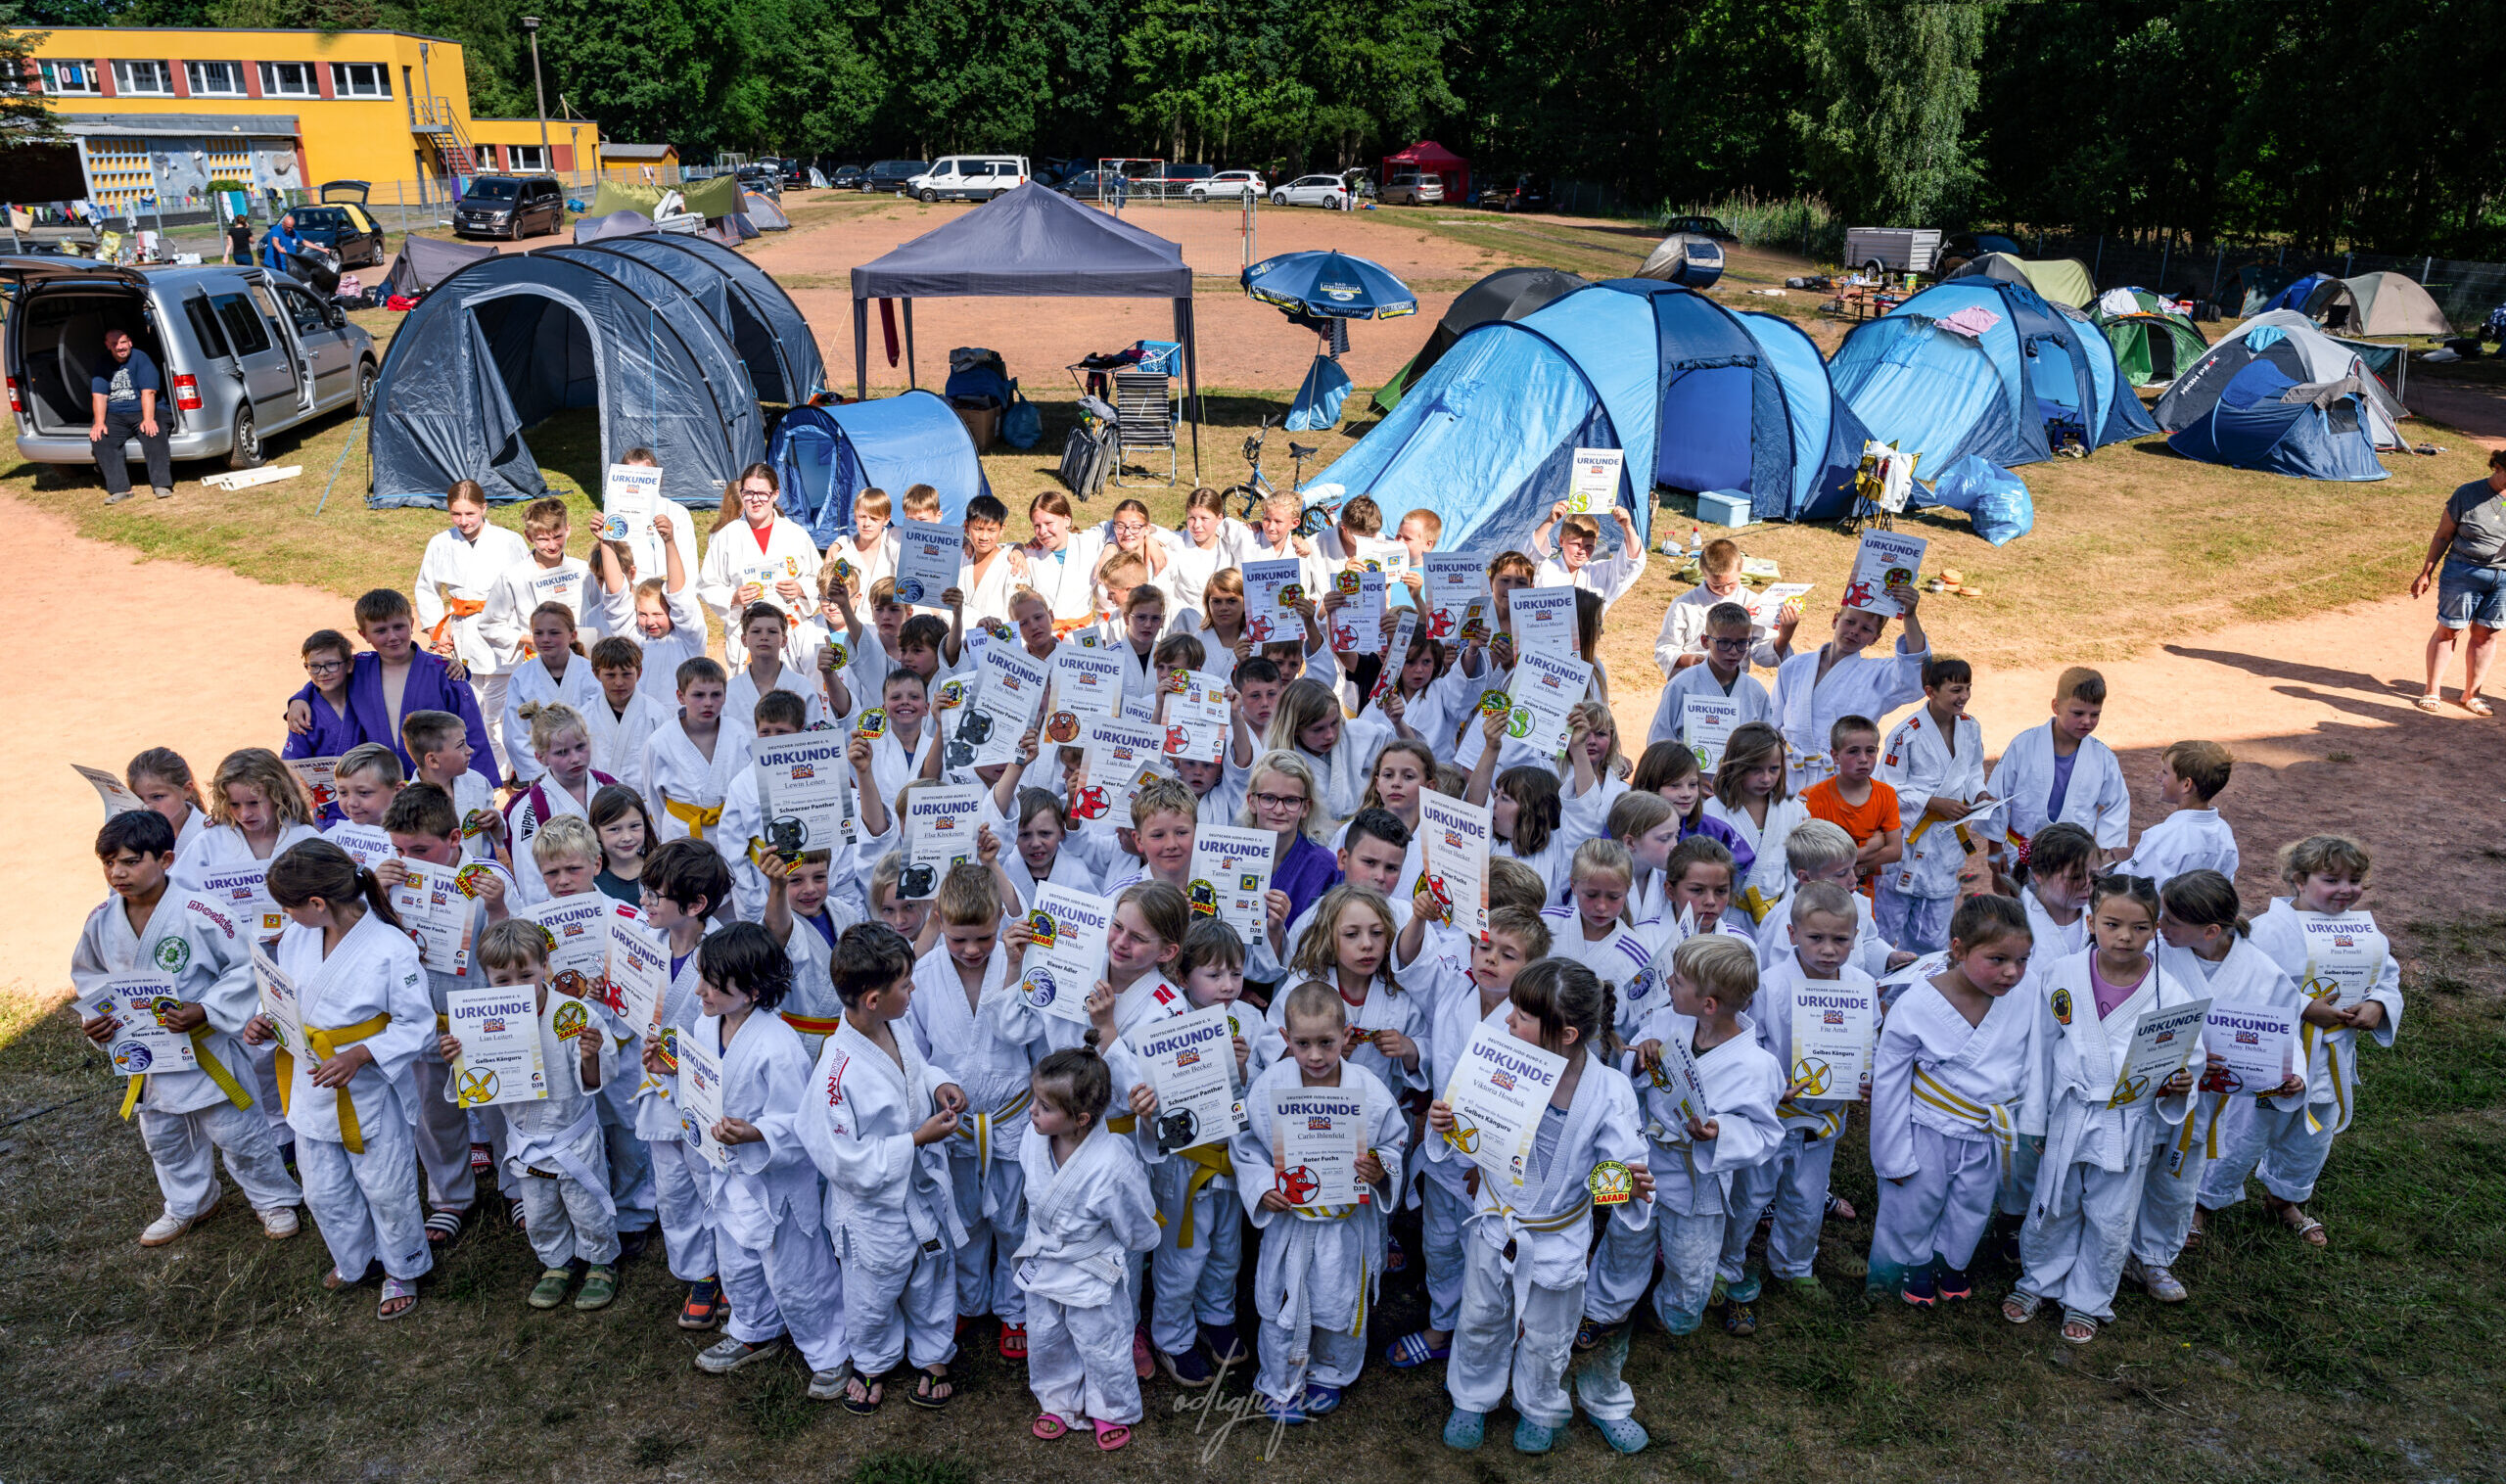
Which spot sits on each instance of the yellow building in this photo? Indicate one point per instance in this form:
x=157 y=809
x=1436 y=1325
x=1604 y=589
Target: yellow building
x=160 y=113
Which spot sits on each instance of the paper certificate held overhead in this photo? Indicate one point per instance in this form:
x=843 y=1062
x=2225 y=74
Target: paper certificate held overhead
x=1455 y=579
x=629 y=493
x=1068 y=954
x=1546 y=690
x=1884 y=559
x=438 y=915
x=117 y=797
x=1198 y=717
x=700 y=1095
x=1453 y=861
x=1544 y=620
x=2162 y=1043
x=804 y=792
x=498 y=1029
x=1592 y=483
x=1230 y=876
x=1317 y=1134
x=1500 y=1090
x=1113 y=754
x=142 y=1042
x=1834 y=1027
x=1191 y=1059
x=1085 y=684
x=927 y=559
x=1269 y=588
x=1005 y=704
x=1707 y=724
x=940 y=823
x=2257 y=1042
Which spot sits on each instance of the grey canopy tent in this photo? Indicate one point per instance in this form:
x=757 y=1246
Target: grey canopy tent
x=673 y=340
x=1031 y=242
x=425 y=262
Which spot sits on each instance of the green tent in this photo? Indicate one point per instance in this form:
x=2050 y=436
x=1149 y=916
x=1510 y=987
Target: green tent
x=2059 y=280
x=2152 y=344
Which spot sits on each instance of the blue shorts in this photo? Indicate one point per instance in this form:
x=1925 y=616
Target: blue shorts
x=2469 y=596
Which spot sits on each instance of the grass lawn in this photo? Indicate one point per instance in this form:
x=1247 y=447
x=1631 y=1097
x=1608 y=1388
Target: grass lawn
x=219 y=1358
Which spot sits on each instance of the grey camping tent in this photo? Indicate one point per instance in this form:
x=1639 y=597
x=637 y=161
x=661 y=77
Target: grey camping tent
x=425 y=262
x=762 y=214
x=615 y=224
x=672 y=340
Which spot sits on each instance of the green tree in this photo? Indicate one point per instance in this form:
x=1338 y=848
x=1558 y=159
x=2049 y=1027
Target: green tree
x=25 y=116
x=1890 y=146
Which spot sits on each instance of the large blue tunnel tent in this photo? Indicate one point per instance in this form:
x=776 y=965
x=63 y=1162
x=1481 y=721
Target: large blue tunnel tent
x=1697 y=396
x=2029 y=369
x=824 y=457
x=674 y=339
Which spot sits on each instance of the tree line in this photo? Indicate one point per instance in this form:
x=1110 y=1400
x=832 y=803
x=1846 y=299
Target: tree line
x=2322 y=122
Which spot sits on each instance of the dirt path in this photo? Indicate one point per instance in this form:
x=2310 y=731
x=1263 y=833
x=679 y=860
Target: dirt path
x=2316 y=710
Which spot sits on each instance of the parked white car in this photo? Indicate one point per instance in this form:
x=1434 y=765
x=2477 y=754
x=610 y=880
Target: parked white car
x=1227 y=185
x=1328 y=192
x=968 y=177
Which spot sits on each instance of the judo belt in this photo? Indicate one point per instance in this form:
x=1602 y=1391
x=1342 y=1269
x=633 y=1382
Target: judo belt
x=1758 y=903
x=697 y=820
x=1122 y=1123
x=977 y=1131
x=527 y=1150
x=454 y=611
x=1297 y=1311
x=1831 y=1123
x=812 y=1025
x=1208 y=1162
x=2306 y=1035
x=2176 y=1162
x=216 y=1069
x=1994 y=1119
x=1518 y=1262
x=326 y=1045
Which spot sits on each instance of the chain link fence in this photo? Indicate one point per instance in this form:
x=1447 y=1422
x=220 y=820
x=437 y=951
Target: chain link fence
x=2464 y=290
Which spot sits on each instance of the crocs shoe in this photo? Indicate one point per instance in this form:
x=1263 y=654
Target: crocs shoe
x=1805 y=1288
x=1464 y=1431
x=1531 y=1437
x=1622 y=1434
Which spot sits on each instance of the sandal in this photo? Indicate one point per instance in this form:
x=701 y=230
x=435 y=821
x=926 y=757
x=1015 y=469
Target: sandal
x=443 y=1228
x=932 y=1391
x=872 y=1393
x=1839 y=1209
x=1411 y=1351
x=1112 y=1435
x=2478 y=706
x=2433 y=704
x=2294 y=1218
x=1014 y=1342
x=550 y=1291
x=600 y=1286
x=1588 y=1333
x=1049 y=1428
x=401 y=1291
x=2199 y=1228
x=2018 y=1307
x=2078 y=1329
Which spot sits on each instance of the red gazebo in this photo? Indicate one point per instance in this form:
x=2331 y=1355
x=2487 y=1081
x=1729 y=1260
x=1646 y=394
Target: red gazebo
x=1433 y=159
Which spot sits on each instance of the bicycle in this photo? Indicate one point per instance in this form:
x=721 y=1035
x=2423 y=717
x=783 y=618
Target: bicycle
x=1257 y=487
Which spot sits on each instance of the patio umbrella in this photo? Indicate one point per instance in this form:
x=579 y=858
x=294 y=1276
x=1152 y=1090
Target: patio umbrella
x=1321 y=292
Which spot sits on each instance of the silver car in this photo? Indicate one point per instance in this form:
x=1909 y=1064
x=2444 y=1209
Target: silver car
x=245 y=353
x=1328 y=192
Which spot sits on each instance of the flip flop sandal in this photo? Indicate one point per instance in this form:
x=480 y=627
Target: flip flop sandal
x=443 y=1228
x=873 y=1392
x=1112 y=1435
x=2072 y=1321
x=1411 y=1350
x=922 y=1396
x=1049 y=1428
x=2199 y=1228
x=395 y=1291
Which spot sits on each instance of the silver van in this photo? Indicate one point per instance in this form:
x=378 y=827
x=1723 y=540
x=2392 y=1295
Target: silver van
x=243 y=353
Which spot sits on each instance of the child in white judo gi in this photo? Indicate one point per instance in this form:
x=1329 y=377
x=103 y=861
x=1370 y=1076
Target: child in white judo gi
x=2208 y=946
x=2191 y=776
x=1200 y=1244
x=1946 y=1079
x=1696 y=1153
x=2059 y=773
x=779 y=1269
x=198 y=973
x=1813 y=691
x=2097 y=1151
x=1934 y=759
x=1525 y=1250
x=1320 y=1264
x=1089 y=1208
x=553 y=1151
x=684 y=881
x=690 y=758
x=874 y=1122
x=2345 y=967
x=344 y=1070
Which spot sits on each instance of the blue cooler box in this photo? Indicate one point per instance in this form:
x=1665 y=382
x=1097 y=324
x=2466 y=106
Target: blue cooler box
x=1727 y=508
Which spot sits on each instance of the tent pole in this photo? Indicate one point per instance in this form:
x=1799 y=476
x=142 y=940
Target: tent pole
x=1186 y=331
x=910 y=382
x=862 y=349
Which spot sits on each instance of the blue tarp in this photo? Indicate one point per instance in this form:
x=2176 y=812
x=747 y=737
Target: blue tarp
x=1696 y=397
x=825 y=456
x=1946 y=396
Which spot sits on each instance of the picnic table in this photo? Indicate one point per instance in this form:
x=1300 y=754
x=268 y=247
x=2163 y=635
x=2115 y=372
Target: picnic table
x=1863 y=301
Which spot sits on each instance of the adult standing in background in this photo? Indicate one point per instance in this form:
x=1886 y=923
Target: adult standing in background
x=2467 y=563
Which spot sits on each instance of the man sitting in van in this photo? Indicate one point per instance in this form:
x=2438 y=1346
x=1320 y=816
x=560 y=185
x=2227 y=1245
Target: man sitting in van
x=125 y=397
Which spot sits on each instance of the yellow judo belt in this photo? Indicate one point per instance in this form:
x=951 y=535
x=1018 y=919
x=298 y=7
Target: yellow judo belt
x=326 y=1045
x=1208 y=1162
x=1830 y=1121
x=977 y=1129
x=1122 y=1123
x=697 y=818
x=217 y=1071
x=2332 y=1069
x=1995 y=1118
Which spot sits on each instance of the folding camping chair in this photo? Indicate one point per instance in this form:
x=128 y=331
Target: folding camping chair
x=1144 y=418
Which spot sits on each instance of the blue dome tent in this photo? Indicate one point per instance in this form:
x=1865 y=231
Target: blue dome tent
x=2027 y=368
x=826 y=456
x=2277 y=393
x=1697 y=396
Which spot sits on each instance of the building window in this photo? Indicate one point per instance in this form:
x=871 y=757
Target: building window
x=526 y=156
x=143 y=79
x=76 y=77
x=360 y=79
x=288 y=79
x=214 y=79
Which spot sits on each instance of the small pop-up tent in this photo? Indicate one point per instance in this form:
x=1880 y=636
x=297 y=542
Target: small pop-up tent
x=2393 y=304
x=1506 y=293
x=2152 y=342
x=1696 y=397
x=2278 y=393
x=426 y=262
x=826 y=456
x=762 y=214
x=1986 y=367
x=627 y=223
x=1433 y=159
x=2061 y=280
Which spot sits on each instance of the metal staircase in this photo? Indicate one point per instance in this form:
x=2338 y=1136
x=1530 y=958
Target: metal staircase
x=434 y=121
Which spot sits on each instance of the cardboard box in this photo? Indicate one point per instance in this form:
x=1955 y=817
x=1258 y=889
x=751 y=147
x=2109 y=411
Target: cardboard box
x=982 y=419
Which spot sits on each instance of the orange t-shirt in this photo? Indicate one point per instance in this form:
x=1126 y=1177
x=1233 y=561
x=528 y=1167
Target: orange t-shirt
x=1877 y=815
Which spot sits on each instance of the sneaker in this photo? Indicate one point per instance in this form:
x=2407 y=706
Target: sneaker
x=1188 y=1368
x=600 y=1285
x=704 y=1307
x=1739 y=1319
x=1919 y=1289
x=728 y=1355
x=2161 y=1282
x=167 y=1226
x=483 y=1159
x=631 y=1244
x=115 y=499
x=1805 y=1288
x=164 y=492
x=279 y=1225
x=1286 y=1413
x=828 y=1385
x=550 y=1291
x=1956 y=1285
x=1226 y=1345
